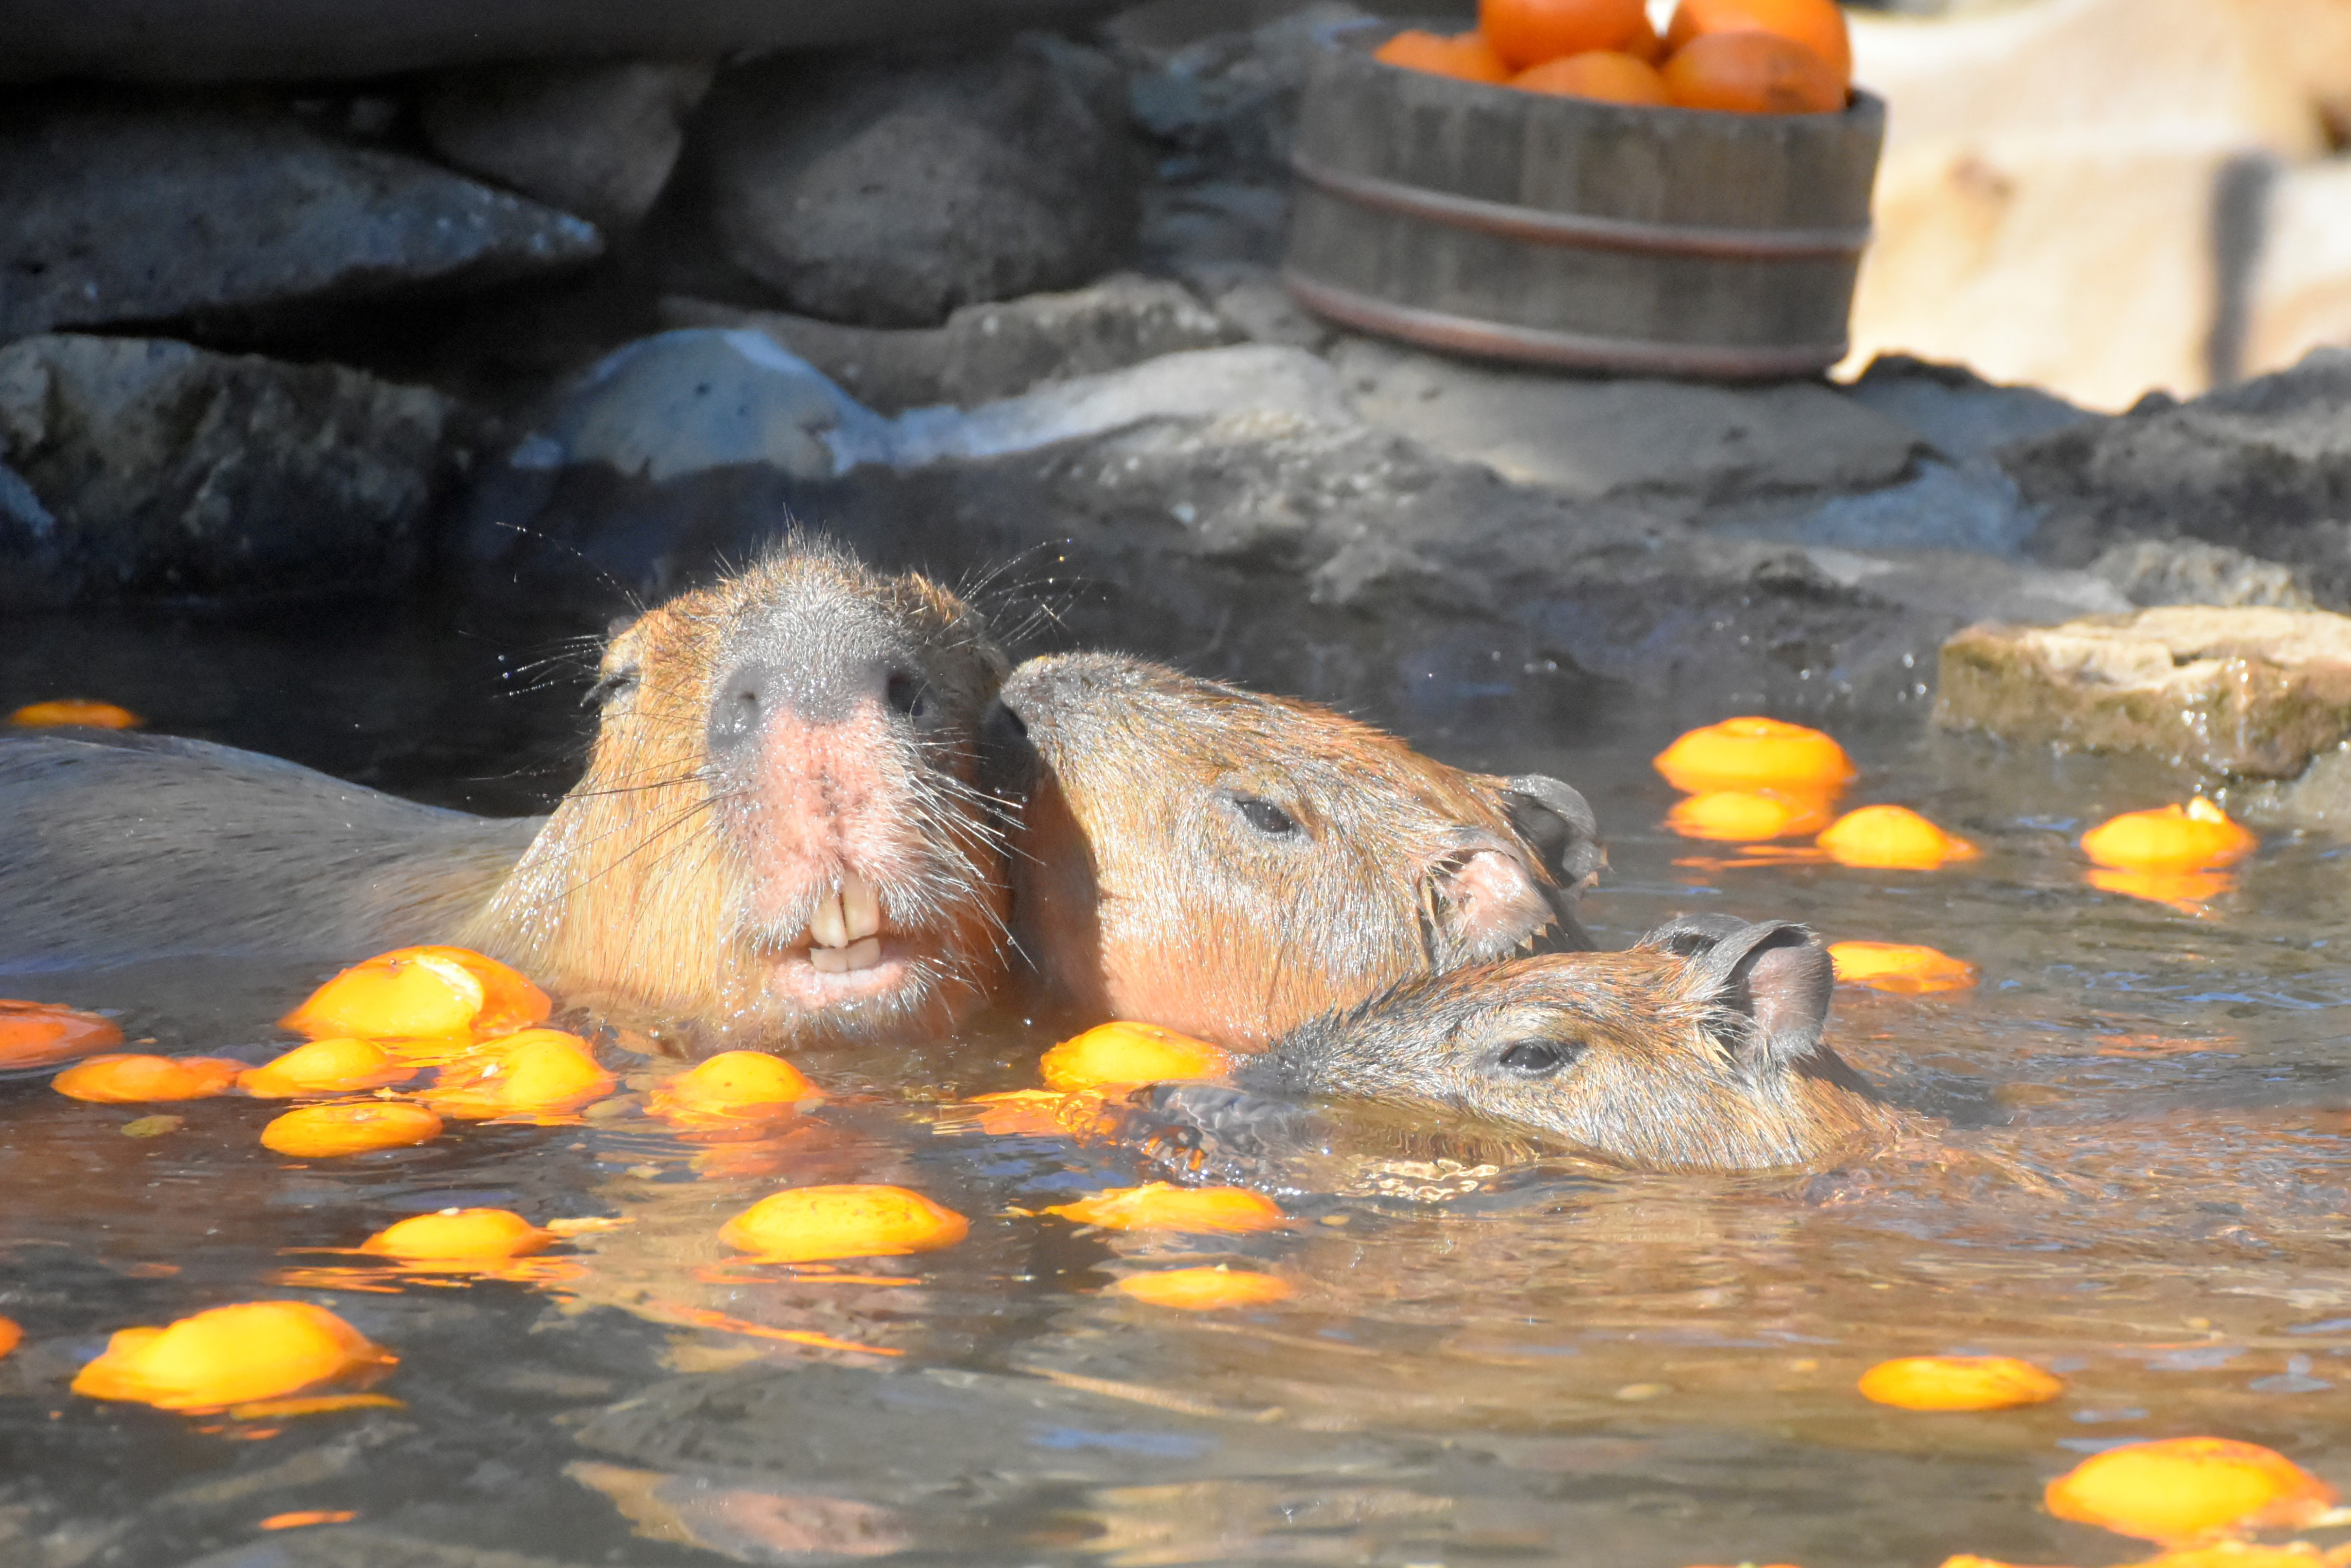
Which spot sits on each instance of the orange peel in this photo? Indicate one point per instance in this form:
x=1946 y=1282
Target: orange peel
x=1747 y=816
x=1162 y=1206
x=1465 y=55
x=541 y=1070
x=732 y=1083
x=852 y=1219
x=2182 y=1491
x=2197 y=836
x=460 y=1236
x=1755 y=753
x=1124 y=1053
x=1205 y=1289
x=1030 y=1113
x=38 y=1034
x=337 y=1065
x=11 y=1336
x=134 y=1079
x=421 y=993
x=60 y=711
x=1901 y=968
x=1892 y=838
x=253 y=1349
x=1959 y=1382
x=350 y=1127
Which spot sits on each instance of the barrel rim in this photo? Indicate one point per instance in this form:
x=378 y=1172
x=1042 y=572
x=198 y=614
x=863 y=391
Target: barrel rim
x=1590 y=231
x=1575 y=351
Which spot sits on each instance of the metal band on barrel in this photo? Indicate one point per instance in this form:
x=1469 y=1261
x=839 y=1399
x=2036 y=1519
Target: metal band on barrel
x=1577 y=228
x=1469 y=335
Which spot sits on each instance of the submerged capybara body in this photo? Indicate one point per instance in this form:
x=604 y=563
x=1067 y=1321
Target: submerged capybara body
x=1698 y=1049
x=776 y=836
x=1230 y=864
x=779 y=831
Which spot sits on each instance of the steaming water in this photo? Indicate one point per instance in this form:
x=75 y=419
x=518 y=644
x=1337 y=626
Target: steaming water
x=2144 y=1191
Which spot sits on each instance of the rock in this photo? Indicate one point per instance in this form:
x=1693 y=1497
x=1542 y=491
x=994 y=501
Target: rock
x=1221 y=104
x=2233 y=694
x=169 y=472
x=597 y=140
x=1590 y=437
x=888 y=195
x=987 y=352
x=309 y=40
x=2177 y=571
x=1955 y=411
x=118 y=215
x=2263 y=468
x=1970 y=507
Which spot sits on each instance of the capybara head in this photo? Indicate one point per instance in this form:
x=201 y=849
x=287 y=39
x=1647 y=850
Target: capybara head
x=1229 y=865
x=779 y=835
x=1698 y=1049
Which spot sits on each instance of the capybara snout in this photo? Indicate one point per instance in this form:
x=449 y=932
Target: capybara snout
x=780 y=832
x=1698 y=1049
x=1230 y=864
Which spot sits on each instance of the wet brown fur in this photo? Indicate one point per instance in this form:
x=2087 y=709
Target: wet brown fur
x=636 y=896
x=1142 y=890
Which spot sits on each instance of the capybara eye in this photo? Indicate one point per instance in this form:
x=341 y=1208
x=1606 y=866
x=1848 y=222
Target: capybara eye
x=1264 y=815
x=1536 y=1058
x=607 y=687
x=905 y=696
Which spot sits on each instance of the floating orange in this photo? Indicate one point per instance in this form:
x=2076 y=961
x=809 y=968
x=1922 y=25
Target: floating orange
x=1959 y=1382
x=308 y=1516
x=1128 y=1053
x=11 y=1336
x=1818 y=24
x=421 y=993
x=2181 y=1491
x=543 y=1070
x=332 y=1066
x=132 y=1080
x=1900 y=968
x=2197 y=836
x=1160 y=1206
x=1466 y=56
x=354 y=1127
x=255 y=1350
x=460 y=1235
x=1747 y=816
x=1891 y=838
x=73 y=711
x=1607 y=76
x=1751 y=73
x=1204 y=1290
x=857 y=1219
x=1529 y=32
x=735 y=1084
x=38 y=1034
x=1752 y=753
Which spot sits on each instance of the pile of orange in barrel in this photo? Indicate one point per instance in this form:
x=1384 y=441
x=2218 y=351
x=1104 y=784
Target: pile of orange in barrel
x=1743 y=57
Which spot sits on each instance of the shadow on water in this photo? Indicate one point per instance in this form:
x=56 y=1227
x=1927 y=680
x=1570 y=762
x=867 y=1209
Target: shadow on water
x=2142 y=1187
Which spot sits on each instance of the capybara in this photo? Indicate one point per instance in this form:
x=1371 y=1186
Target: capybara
x=1230 y=864
x=777 y=833
x=1698 y=1049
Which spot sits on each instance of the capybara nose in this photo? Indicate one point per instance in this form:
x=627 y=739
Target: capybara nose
x=825 y=693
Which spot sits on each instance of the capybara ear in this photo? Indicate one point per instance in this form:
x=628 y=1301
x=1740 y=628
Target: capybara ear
x=1557 y=824
x=1487 y=905
x=1777 y=974
x=1690 y=934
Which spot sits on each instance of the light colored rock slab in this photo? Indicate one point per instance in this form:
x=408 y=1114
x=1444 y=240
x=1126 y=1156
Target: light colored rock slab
x=2233 y=692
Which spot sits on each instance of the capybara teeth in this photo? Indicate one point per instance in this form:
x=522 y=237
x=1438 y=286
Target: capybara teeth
x=862 y=954
x=828 y=927
x=860 y=906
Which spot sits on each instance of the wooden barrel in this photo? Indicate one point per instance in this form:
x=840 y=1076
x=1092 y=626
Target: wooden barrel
x=1562 y=231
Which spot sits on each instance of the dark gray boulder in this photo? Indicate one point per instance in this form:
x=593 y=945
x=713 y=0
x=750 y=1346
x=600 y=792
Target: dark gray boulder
x=2262 y=468
x=115 y=214
x=157 y=470
x=596 y=138
x=887 y=194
